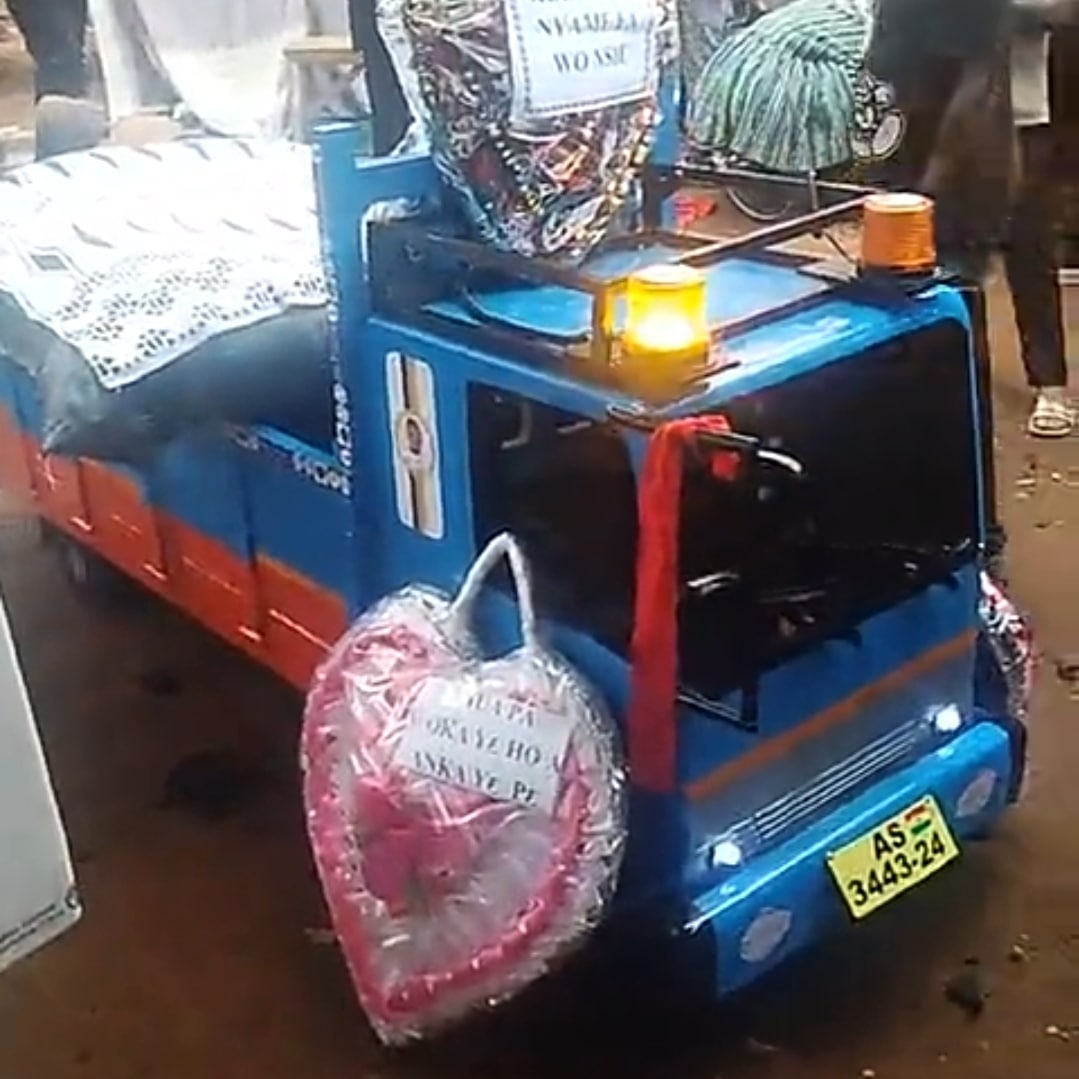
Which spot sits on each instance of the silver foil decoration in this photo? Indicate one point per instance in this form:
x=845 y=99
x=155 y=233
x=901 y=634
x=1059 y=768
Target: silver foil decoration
x=467 y=816
x=1012 y=643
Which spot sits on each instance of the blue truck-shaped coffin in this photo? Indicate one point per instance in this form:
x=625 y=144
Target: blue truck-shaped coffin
x=842 y=727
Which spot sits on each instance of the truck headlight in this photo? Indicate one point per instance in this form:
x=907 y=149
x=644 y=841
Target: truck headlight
x=946 y=719
x=726 y=854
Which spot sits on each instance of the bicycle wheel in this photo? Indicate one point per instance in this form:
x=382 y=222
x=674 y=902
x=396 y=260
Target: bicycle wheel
x=762 y=203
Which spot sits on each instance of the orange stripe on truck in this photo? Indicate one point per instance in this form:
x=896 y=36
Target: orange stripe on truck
x=781 y=745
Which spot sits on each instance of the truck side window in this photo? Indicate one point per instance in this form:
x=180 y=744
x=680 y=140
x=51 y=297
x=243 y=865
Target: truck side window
x=565 y=487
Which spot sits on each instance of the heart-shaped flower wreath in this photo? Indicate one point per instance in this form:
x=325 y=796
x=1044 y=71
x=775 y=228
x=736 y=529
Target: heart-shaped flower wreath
x=467 y=815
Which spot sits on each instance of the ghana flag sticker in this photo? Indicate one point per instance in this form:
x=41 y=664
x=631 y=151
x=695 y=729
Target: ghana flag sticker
x=919 y=819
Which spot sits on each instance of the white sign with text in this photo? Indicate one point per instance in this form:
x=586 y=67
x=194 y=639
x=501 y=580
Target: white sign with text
x=578 y=55
x=478 y=738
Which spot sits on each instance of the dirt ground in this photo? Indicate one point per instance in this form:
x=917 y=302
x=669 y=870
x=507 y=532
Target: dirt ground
x=201 y=952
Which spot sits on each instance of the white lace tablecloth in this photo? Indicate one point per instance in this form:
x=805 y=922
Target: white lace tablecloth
x=135 y=256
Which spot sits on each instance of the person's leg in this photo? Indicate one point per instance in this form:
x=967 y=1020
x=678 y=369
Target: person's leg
x=55 y=35
x=391 y=113
x=1031 y=262
x=995 y=538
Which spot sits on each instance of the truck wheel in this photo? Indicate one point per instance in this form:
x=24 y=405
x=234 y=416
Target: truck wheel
x=760 y=203
x=90 y=576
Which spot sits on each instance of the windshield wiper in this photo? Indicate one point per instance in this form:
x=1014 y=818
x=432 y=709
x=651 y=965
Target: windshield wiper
x=942 y=559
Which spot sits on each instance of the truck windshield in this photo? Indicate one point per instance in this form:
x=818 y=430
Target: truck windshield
x=771 y=564
x=887 y=505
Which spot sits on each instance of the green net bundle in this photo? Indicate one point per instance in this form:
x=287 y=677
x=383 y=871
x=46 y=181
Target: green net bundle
x=781 y=92
x=812 y=86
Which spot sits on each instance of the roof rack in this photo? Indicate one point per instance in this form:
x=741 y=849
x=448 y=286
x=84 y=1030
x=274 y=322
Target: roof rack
x=415 y=263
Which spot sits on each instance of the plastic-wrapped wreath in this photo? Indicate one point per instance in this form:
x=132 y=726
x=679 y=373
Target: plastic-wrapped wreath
x=467 y=815
x=1011 y=642
x=539 y=113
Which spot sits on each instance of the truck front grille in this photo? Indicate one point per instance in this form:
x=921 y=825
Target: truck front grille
x=775 y=821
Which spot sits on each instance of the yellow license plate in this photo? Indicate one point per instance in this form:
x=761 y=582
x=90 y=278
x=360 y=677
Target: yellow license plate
x=895 y=857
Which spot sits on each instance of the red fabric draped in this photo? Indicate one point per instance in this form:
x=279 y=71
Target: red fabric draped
x=654 y=650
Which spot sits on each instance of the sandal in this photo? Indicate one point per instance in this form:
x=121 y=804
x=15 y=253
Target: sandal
x=1052 y=416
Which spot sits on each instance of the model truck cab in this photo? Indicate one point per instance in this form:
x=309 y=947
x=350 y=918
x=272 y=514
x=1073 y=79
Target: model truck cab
x=831 y=745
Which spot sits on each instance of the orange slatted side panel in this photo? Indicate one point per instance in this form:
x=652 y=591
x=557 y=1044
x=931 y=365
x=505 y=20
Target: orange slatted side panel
x=58 y=482
x=124 y=524
x=212 y=584
x=302 y=620
x=277 y=616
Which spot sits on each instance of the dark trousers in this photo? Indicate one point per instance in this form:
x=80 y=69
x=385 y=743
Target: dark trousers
x=974 y=296
x=388 y=104
x=1032 y=264
x=55 y=34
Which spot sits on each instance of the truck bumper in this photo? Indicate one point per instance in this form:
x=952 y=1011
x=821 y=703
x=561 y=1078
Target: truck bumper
x=785 y=899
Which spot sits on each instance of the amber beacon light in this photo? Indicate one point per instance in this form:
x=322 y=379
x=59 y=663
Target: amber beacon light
x=897 y=233
x=666 y=330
